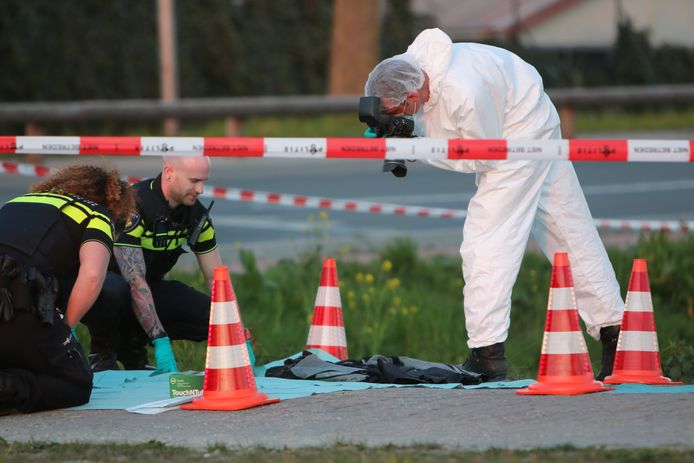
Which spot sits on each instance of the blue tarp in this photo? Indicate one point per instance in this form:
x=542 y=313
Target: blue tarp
x=119 y=390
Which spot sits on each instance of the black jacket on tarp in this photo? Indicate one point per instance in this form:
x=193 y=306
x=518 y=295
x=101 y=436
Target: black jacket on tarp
x=374 y=369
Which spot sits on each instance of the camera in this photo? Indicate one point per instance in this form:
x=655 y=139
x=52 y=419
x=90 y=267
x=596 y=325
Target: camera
x=386 y=126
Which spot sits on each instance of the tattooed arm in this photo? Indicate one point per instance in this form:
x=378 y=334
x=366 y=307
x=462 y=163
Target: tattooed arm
x=131 y=262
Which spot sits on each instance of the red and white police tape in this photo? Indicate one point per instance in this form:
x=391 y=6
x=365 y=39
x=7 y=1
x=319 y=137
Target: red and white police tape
x=359 y=148
x=347 y=205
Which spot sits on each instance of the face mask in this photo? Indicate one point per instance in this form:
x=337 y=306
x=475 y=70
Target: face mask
x=420 y=129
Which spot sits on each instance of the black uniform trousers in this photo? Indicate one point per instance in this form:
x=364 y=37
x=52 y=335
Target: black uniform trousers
x=43 y=365
x=183 y=311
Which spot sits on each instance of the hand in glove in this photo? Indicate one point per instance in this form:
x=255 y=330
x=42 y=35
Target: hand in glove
x=166 y=361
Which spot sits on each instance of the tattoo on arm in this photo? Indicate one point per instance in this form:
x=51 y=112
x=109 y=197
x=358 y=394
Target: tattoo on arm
x=131 y=262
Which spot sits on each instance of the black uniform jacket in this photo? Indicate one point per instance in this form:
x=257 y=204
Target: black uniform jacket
x=162 y=231
x=46 y=230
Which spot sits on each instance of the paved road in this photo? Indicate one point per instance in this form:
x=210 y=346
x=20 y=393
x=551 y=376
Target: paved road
x=471 y=419
x=659 y=191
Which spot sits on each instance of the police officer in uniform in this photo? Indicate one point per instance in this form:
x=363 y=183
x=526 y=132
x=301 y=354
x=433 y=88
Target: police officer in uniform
x=137 y=304
x=65 y=225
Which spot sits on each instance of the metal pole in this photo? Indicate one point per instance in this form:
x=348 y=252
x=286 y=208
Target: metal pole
x=168 y=66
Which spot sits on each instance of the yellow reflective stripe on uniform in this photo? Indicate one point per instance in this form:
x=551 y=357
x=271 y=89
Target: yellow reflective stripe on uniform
x=98 y=223
x=136 y=232
x=74 y=212
x=73 y=208
x=56 y=201
x=207 y=234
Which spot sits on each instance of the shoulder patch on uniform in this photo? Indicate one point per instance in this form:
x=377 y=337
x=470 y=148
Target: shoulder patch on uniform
x=133 y=221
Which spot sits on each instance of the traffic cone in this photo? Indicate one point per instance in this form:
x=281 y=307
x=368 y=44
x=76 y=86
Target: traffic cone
x=327 y=330
x=229 y=383
x=564 y=362
x=637 y=359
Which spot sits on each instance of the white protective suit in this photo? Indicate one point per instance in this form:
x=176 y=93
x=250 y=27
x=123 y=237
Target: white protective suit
x=483 y=92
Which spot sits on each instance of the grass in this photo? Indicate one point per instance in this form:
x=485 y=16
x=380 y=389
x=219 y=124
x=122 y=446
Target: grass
x=402 y=304
x=620 y=121
x=347 y=125
x=154 y=451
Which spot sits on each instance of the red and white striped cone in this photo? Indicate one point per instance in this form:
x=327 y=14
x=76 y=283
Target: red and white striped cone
x=637 y=359
x=229 y=382
x=564 y=362
x=327 y=329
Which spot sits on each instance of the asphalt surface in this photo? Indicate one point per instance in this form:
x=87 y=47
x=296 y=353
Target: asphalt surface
x=470 y=419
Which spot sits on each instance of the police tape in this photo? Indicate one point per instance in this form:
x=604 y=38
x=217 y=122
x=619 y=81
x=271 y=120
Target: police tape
x=348 y=205
x=359 y=148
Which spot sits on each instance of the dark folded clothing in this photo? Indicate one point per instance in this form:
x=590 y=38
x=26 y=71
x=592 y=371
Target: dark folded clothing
x=375 y=369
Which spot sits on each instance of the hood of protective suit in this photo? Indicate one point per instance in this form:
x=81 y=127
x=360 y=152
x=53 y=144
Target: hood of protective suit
x=480 y=92
x=432 y=49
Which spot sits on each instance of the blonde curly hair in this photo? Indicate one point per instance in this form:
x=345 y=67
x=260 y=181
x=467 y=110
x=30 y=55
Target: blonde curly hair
x=96 y=183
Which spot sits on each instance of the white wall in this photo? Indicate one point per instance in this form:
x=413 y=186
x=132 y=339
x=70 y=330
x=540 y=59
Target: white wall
x=590 y=23
x=593 y=23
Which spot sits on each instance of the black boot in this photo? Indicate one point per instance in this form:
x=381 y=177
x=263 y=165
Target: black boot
x=609 y=335
x=132 y=351
x=489 y=361
x=133 y=358
x=102 y=361
x=9 y=397
x=103 y=355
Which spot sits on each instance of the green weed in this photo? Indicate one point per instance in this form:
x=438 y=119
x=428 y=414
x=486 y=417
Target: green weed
x=157 y=452
x=399 y=303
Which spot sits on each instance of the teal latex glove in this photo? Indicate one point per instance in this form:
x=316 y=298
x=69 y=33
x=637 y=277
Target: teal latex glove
x=370 y=133
x=250 y=352
x=164 y=355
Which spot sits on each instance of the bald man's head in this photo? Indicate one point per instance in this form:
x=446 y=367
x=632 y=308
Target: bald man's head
x=183 y=178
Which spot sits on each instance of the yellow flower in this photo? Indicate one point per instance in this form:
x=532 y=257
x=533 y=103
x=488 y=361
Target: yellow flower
x=369 y=278
x=387 y=265
x=413 y=309
x=396 y=300
x=365 y=298
x=393 y=283
x=404 y=311
x=392 y=311
x=323 y=215
x=359 y=277
x=351 y=295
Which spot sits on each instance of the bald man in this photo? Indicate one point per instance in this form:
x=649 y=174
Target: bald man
x=137 y=305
